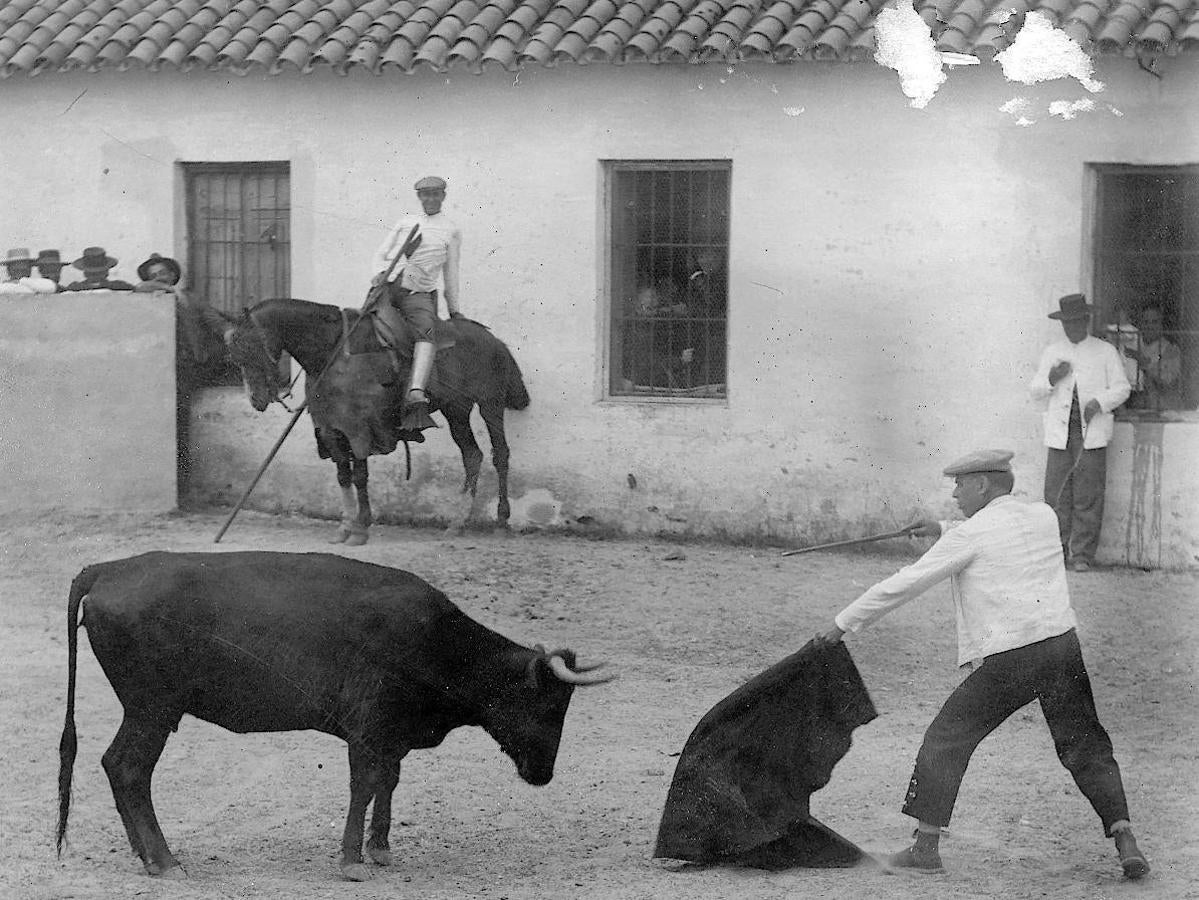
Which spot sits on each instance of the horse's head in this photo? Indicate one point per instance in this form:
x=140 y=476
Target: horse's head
x=251 y=353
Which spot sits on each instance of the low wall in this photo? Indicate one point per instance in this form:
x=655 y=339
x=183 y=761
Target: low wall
x=1151 y=512
x=87 y=399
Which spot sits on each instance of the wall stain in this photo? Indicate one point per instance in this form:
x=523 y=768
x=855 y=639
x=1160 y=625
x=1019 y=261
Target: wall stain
x=1143 y=530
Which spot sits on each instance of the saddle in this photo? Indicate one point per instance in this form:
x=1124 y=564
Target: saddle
x=445 y=335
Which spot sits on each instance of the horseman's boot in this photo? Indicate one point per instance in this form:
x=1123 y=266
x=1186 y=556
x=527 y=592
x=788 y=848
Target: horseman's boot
x=416 y=401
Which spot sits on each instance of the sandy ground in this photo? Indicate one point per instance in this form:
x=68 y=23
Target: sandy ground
x=261 y=815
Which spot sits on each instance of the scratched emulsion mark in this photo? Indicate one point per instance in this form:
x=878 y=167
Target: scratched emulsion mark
x=1041 y=52
x=1143 y=531
x=905 y=43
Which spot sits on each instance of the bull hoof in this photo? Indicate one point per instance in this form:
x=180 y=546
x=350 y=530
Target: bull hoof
x=356 y=871
x=381 y=855
x=173 y=872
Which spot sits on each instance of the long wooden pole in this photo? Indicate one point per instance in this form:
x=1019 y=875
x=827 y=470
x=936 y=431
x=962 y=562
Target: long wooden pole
x=866 y=540
x=410 y=244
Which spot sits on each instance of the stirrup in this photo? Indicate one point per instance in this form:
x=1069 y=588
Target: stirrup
x=423 y=398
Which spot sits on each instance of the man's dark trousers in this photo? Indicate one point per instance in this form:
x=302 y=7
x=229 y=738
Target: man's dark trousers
x=1051 y=671
x=1076 y=491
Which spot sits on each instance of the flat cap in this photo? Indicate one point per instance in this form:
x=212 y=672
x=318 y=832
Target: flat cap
x=431 y=183
x=981 y=461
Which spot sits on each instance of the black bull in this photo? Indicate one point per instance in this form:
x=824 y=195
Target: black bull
x=280 y=642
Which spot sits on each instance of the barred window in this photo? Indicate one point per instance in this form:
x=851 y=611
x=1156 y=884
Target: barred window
x=668 y=278
x=1146 y=263
x=239 y=240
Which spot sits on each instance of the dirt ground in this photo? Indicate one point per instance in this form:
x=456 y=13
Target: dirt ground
x=261 y=815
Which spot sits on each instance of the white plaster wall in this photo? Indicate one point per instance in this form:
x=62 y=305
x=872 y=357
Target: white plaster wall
x=890 y=273
x=87 y=402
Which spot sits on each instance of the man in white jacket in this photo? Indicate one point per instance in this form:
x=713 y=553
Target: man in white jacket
x=1016 y=634
x=1081 y=380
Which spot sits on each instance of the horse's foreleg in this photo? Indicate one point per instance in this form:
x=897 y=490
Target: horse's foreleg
x=493 y=417
x=360 y=529
x=472 y=461
x=349 y=503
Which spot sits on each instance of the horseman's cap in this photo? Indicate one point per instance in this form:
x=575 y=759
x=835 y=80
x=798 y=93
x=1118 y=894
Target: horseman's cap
x=1072 y=306
x=143 y=271
x=981 y=461
x=431 y=183
x=18 y=254
x=48 y=258
x=94 y=258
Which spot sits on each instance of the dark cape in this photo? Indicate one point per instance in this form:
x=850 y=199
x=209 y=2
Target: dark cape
x=741 y=788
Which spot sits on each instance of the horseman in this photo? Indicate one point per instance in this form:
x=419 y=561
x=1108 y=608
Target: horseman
x=410 y=294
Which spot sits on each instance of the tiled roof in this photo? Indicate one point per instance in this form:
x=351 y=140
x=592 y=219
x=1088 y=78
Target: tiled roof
x=243 y=36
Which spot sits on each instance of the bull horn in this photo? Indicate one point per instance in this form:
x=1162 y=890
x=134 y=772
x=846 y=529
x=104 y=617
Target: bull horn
x=563 y=672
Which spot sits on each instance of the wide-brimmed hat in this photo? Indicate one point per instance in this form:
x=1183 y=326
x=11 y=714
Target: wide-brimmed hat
x=1072 y=306
x=94 y=258
x=430 y=183
x=18 y=254
x=47 y=258
x=143 y=271
x=981 y=461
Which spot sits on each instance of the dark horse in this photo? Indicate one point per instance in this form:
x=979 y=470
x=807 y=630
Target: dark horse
x=355 y=405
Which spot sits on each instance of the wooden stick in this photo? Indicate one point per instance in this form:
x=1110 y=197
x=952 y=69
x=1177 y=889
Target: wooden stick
x=866 y=540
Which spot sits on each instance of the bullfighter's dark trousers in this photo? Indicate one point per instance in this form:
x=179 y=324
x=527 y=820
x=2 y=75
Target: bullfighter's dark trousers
x=1075 y=480
x=1051 y=671
x=419 y=309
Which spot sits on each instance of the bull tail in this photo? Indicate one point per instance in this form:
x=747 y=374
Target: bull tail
x=67 y=744
x=516 y=395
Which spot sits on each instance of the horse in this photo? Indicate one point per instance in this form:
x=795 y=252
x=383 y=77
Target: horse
x=355 y=404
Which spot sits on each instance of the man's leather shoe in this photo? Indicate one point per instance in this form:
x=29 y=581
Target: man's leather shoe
x=926 y=862
x=1132 y=860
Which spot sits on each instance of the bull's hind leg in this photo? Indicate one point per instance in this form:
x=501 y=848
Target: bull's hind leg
x=458 y=417
x=493 y=418
x=378 y=846
x=129 y=762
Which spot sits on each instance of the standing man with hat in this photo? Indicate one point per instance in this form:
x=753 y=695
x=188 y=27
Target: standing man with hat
x=49 y=266
x=412 y=288
x=1081 y=380
x=1016 y=634
x=94 y=264
x=18 y=266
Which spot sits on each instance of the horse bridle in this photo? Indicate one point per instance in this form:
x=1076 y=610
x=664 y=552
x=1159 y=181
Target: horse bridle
x=279 y=394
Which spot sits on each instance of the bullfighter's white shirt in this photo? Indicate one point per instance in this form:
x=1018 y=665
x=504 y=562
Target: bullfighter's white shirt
x=1098 y=373
x=1006 y=573
x=437 y=256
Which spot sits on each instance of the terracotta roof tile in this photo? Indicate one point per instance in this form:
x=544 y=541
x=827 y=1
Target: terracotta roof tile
x=277 y=36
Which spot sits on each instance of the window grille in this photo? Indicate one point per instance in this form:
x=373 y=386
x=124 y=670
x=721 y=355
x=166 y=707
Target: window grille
x=238 y=240
x=1146 y=281
x=668 y=283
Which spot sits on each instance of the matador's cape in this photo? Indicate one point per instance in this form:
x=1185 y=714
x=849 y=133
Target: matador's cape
x=741 y=788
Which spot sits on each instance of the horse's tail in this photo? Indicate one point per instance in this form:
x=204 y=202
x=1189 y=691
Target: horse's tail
x=516 y=395
x=68 y=743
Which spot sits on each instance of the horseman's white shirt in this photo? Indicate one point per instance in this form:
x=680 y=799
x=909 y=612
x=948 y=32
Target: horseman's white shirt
x=436 y=259
x=1006 y=573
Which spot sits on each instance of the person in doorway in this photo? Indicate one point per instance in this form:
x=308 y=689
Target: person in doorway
x=1081 y=381
x=201 y=359
x=95 y=265
x=1159 y=364
x=412 y=287
x=1016 y=635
